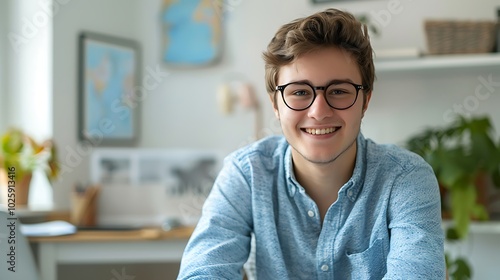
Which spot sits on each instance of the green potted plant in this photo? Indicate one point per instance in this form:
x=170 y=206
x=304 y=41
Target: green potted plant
x=21 y=152
x=462 y=154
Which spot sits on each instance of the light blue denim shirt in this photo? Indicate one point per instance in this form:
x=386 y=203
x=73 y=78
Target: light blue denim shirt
x=385 y=224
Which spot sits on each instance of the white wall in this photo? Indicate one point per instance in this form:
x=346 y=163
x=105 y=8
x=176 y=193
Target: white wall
x=118 y=18
x=3 y=63
x=182 y=110
x=25 y=84
x=29 y=70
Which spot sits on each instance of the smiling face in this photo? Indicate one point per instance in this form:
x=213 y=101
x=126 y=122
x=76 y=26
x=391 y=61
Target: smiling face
x=321 y=134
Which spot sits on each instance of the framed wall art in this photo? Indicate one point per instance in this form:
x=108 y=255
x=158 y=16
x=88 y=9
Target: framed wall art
x=180 y=171
x=108 y=89
x=191 y=32
x=144 y=186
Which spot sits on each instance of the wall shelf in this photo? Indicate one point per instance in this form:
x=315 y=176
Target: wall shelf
x=491 y=227
x=486 y=227
x=439 y=62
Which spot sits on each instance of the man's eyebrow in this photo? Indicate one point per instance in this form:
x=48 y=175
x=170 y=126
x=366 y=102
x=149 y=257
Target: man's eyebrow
x=333 y=81
x=338 y=81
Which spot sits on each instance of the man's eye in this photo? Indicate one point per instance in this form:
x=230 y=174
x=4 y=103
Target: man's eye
x=300 y=93
x=339 y=91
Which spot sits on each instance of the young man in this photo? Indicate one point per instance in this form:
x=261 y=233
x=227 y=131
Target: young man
x=323 y=202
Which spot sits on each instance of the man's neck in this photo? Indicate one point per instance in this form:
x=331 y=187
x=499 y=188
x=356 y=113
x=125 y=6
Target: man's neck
x=323 y=181
x=325 y=175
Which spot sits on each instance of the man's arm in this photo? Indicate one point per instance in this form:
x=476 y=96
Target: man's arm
x=417 y=239
x=220 y=243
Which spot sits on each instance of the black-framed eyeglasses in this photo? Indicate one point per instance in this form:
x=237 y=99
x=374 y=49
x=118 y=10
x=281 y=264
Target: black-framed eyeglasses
x=339 y=95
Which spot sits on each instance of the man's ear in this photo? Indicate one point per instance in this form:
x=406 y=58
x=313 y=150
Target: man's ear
x=367 y=98
x=275 y=106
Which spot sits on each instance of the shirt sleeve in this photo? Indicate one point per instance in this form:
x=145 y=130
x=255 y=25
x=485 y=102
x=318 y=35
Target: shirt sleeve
x=220 y=243
x=417 y=239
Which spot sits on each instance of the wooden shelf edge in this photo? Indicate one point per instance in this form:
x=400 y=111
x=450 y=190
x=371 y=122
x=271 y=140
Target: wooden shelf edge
x=118 y=235
x=437 y=62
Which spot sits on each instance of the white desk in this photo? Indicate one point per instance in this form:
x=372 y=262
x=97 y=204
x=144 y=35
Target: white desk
x=91 y=247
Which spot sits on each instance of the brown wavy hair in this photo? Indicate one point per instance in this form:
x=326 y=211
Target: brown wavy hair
x=329 y=28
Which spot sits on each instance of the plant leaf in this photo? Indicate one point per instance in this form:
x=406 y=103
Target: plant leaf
x=452 y=234
x=495 y=177
x=463 y=200
x=462 y=270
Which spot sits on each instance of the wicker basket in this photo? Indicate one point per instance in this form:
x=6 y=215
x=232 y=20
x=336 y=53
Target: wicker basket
x=454 y=37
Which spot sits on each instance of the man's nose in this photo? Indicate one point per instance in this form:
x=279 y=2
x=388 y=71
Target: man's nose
x=320 y=108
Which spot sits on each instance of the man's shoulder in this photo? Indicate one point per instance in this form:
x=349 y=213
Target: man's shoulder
x=394 y=155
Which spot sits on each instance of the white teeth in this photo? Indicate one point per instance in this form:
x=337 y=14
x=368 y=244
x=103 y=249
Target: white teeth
x=320 y=131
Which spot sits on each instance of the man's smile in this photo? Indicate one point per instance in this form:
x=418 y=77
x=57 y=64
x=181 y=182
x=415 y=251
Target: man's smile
x=321 y=131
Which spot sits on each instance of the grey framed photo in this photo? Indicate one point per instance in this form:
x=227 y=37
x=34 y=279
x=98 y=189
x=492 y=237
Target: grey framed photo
x=108 y=89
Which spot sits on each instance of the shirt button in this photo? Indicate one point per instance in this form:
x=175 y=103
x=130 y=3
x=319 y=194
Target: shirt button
x=310 y=213
x=349 y=193
x=324 y=267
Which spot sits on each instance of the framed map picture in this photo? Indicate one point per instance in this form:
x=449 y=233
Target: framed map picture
x=191 y=31
x=109 y=92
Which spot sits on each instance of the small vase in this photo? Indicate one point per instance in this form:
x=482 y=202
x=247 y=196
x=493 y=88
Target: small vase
x=21 y=190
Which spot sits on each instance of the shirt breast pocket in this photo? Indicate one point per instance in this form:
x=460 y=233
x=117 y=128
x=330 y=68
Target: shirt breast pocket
x=367 y=264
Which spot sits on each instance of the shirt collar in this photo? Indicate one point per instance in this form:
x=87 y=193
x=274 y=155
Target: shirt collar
x=353 y=185
x=293 y=185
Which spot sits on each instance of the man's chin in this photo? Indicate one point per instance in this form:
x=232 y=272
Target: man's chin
x=318 y=158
